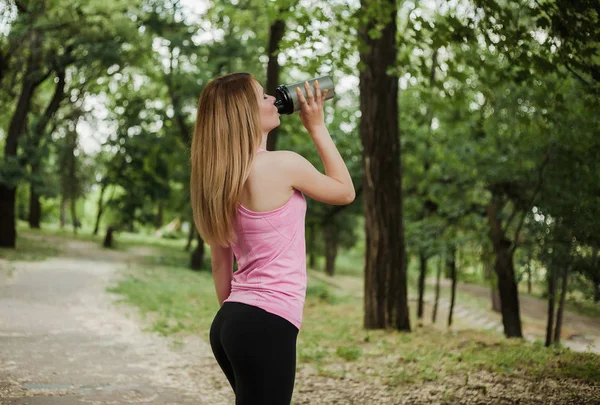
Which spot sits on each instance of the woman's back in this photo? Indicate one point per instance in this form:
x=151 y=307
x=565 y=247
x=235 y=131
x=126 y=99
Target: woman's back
x=267 y=187
x=270 y=248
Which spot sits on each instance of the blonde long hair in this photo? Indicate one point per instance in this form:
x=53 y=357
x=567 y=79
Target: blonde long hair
x=227 y=133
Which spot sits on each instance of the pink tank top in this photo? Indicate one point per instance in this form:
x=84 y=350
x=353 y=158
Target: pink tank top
x=271 y=256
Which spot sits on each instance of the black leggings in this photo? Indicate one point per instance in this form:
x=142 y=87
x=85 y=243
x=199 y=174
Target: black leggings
x=257 y=352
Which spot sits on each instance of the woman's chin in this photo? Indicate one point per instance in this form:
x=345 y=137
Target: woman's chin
x=270 y=129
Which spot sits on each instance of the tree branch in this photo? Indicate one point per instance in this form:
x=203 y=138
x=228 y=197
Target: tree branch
x=184 y=130
x=531 y=201
x=59 y=92
x=570 y=69
x=512 y=216
x=20 y=7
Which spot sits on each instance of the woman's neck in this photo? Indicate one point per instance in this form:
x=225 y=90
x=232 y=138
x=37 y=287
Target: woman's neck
x=263 y=144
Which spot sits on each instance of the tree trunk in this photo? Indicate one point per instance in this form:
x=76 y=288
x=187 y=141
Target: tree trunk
x=8 y=232
x=496 y=303
x=331 y=248
x=386 y=301
x=72 y=185
x=108 y=239
x=451 y=265
x=428 y=208
x=191 y=234
x=34 y=200
x=197 y=258
x=159 y=215
x=32 y=78
x=551 y=293
x=490 y=277
x=74 y=219
x=438 y=280
x=529 y=276
x=561 y=305
x=422 y=276
x=36 y=139
x=63 y=212
x=276 y=32
x=312 y=255
x=18 y=120
x=100 y=207
x=69 y=178
x=504 y=267
x=596 y=268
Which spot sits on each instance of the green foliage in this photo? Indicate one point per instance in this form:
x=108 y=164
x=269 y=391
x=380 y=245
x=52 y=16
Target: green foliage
x=498 y=99
x=320 y=292
x=348 y=353
x=11 y=172
x=30 y=248
x=174 y=306
x=483 y=115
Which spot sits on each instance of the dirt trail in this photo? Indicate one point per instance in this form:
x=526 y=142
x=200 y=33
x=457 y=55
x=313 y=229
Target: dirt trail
x=64 y=341
x=579 y=332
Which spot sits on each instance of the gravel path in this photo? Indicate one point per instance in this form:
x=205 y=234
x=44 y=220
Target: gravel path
x=64 y=341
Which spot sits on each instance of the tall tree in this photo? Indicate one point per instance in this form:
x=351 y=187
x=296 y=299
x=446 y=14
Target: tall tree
x=451 y=264
x=276 y=33
x=34 y=75
x=35 y=140
x=386 y=303
x=52 y=33
x=438 y=278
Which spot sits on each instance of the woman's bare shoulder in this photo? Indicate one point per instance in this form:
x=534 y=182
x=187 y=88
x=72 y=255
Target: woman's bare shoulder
x=282 y=155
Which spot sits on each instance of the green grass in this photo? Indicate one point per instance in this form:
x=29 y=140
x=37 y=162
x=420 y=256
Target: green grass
x=320 y=292
x=588 y=308
x=54 y=230
x=175 y=299
x=30 y=248
x=129 y=239
x=349 y=353
x=122 y=239
x=178 y=301
x=428 y=354
x=349 y=263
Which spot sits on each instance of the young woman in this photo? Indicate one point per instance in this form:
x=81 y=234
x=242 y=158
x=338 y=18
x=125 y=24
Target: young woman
x=250 y=203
